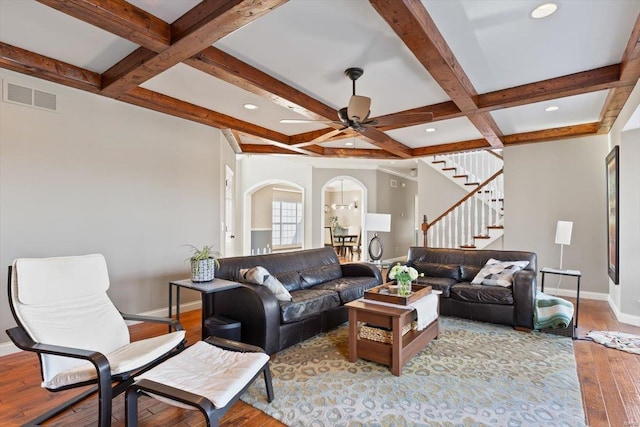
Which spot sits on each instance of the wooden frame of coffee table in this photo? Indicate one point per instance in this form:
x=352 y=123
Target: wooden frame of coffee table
x=403 y=348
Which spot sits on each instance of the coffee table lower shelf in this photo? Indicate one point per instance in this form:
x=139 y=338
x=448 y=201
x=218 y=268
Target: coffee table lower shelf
x=402 y=348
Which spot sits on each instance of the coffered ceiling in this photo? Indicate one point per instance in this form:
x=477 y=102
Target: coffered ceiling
x=486 y=69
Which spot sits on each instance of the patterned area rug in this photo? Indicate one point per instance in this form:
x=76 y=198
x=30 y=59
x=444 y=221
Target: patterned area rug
x=618 y=340
x=473 y=374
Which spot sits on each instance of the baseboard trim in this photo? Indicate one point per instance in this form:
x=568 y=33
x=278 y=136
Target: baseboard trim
x=8 y=347
x=572 y=294
x=628 y=319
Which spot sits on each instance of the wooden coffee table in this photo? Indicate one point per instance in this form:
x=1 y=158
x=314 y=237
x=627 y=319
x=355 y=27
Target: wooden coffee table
x=403 y=348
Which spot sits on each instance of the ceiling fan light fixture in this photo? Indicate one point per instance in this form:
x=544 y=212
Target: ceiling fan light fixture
x=358 y=108
x=250 y=106
x=544 y=10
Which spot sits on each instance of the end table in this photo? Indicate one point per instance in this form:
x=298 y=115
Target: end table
x=207 y=291
x=573 y=273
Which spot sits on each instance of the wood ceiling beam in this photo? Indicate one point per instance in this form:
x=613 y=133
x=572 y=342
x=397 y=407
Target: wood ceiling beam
x=225 y=67
x=175 y=107
x=196 y=30
x=118 y=17
x=452 y=147
x=563 y=132
x=411 y=22
x=264 y=149
x=358 y=153
x=42 y=67
x=629 y=73
x=574 y=84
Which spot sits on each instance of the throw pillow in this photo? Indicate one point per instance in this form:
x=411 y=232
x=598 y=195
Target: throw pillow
x=260 y=276
x=498 y=273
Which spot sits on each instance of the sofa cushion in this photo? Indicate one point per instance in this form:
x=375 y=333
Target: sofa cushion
x=317 y=275
x=469 y=272
x=465 y=291
x=291 y=280
x=307 y=303
x=349 y=288
x=498 y=273
x=438 y=284
x=431 y=269
x=260 y=276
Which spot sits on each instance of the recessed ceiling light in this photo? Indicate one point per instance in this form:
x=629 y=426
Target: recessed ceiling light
x=348 y=143
x=544 y=10
x=250 y=106
x=430 y=130
x=552 y=108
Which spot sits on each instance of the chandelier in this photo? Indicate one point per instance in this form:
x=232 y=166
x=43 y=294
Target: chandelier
x=341 y=205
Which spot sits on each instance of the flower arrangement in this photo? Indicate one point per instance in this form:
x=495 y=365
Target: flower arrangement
x=404 y=275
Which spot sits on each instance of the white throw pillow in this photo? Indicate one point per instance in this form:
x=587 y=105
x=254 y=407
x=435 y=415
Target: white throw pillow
x=498 y=273
x=261 y=276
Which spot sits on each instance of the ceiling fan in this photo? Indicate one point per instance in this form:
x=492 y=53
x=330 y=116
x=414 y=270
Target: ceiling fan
x=355 y=115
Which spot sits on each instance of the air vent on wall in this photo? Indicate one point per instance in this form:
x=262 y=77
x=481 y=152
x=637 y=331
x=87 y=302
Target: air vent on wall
x=29 y=97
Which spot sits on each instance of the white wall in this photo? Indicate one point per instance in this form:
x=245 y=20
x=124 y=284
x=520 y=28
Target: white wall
x=106 y=177
x=559 y=180
x=625 y=297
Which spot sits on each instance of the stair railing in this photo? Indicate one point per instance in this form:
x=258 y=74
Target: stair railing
x=475 y=166
x=472 y=215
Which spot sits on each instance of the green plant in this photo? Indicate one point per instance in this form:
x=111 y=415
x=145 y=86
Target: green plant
x=206 y=252
x=333 y=220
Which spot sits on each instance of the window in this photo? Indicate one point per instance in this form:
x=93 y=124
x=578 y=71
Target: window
x=286 y=218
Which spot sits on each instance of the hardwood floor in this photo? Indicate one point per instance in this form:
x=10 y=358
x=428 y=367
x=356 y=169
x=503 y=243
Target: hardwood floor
x=610 y=383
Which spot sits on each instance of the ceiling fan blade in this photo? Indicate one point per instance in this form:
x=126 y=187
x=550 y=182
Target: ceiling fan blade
x=405 y=119
x=384 y=141
x=328 y=135
x=358 y=108
x=297 y=121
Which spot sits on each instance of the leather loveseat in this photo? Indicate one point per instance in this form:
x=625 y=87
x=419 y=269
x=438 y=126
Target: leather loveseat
x=317 y=282
x=452 y=271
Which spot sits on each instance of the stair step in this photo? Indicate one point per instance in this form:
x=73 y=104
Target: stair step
x=471 y=183
x=461 y=176
x=439 y=161
x=467 y=246
x=496 y=227
x=498 y=200
x=484 y=191
x=449 y=169
x=482 y=237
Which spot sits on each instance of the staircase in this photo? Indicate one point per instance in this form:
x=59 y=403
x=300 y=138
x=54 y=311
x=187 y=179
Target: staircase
x=476 y=220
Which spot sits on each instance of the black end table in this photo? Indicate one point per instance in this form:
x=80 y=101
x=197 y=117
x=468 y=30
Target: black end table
x=207 y=291
x=573 y=273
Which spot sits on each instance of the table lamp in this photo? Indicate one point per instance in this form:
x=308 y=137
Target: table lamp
x=377 y=223
x=563 y=236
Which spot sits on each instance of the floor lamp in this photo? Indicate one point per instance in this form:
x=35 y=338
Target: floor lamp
x=377 y=223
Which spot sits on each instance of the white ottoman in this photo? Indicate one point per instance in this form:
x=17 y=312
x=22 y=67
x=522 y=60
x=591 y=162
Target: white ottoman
x=210 y=376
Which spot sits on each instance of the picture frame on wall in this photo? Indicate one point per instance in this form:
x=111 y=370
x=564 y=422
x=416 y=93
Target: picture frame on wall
x=613 y=214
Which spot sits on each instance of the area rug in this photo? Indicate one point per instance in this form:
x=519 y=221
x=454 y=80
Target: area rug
x=474 y=374
x=618 y=340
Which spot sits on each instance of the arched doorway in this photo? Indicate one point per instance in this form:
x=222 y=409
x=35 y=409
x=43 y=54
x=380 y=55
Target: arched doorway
x=344 y=206
x=273 y=218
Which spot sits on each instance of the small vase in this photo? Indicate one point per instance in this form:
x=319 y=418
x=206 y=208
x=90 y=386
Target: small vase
x=404 y=287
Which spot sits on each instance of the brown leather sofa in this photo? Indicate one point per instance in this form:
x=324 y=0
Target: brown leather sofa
x=452 y=270
x=317 y=282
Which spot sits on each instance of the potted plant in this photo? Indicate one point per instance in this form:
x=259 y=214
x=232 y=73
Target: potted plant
x=203 y=263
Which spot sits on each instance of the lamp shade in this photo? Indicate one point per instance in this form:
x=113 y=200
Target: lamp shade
x=563 y=232
x=378 y=222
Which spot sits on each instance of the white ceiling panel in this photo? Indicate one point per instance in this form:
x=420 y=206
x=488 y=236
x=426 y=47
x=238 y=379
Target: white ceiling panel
x=572 y=110
x=188 y=84
x=38 y=28
x=452 y=130
x=499 y=45
x=308 y=45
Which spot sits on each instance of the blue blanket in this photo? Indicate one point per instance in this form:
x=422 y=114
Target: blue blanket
x=551 y=312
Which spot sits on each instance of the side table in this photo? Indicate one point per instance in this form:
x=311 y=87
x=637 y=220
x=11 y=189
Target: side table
x=573 y=273
x=207 y=291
